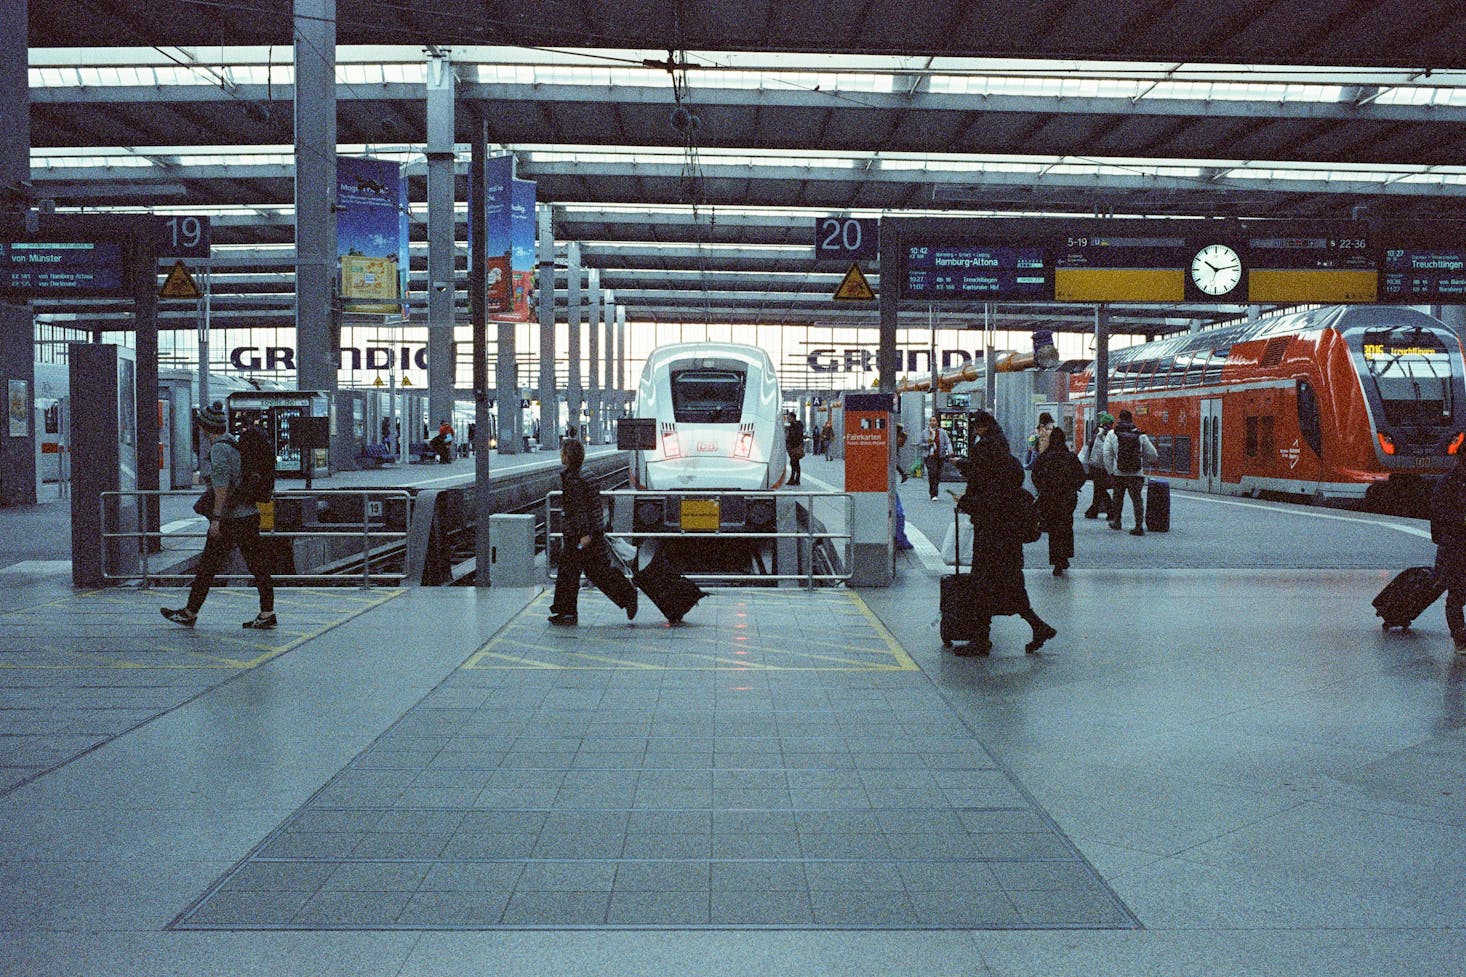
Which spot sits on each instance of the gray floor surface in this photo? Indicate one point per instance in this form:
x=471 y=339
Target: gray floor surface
x=1237 y=758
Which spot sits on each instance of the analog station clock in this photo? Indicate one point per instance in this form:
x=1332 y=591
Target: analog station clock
x=1216 y=269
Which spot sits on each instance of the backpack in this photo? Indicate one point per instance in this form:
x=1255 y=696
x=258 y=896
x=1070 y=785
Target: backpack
x=1127 y=453
x=256 y=467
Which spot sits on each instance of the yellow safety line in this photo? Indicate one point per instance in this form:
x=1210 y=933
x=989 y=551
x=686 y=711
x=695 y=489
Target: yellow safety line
x=473 y=661
x=899 y=653
x=619 y=661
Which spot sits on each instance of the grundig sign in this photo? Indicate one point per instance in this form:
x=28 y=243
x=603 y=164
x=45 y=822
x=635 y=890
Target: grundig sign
x=352 y=358
x=863 y=360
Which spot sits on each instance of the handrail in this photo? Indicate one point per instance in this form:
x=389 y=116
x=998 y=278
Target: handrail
x=364 y=530
x=809 y=536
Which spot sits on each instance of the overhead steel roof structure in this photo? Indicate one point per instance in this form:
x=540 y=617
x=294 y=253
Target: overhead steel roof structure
x=1295 y=108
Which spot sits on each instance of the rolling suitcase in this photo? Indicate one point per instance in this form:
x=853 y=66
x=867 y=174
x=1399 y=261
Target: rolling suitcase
x=960 y=601
x=1158 y=505
x=673 y=593
x=609 y=577
x=1407 y=596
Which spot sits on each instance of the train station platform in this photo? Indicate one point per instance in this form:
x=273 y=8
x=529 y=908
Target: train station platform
x=1221 y=766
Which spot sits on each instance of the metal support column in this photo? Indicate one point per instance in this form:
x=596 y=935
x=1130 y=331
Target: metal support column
x=1101 y=358
x=574 y=395
x=593 y=395
x=317 y=329
x=145 y=347
x=610 y=394
x=621 y=356
x=479 y=314
x=441 y=154
x=549 y=415
x=17 y=329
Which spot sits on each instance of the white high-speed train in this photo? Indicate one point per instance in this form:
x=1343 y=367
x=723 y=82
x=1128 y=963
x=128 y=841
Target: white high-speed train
x=718 y=419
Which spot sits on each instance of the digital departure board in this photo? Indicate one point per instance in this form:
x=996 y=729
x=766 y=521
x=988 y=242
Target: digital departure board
x=975 y=271
x=40 y=269
x=1428 y=275
x=1115 y=268
x=1312 y=268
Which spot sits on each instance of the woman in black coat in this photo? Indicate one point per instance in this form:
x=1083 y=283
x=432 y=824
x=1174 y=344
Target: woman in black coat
x=1058 y=475
x=1448 y=530
x=584 y=546
x=995 y=500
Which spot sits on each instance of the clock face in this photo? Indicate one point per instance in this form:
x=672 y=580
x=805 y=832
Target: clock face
x=1216 y=269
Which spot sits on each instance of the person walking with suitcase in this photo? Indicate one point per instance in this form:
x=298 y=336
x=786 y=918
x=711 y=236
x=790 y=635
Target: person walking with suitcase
x=1448 y=531
x=996 y=501
x=1128 y=450
x=584 y=545
x=936 y=447
x=1058 y=476
x=234 y=523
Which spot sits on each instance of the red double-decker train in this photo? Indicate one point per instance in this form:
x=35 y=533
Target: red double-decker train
x=1346 y=405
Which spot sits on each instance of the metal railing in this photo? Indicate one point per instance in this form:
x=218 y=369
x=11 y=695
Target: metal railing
x=373 y=503
x=806 y=539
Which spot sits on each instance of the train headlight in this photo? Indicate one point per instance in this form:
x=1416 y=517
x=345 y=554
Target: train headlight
x=1386 y=443
x=1455 y=444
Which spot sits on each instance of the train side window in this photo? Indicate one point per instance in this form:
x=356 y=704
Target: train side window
x=1309 y=423
x=1249 y=442
x=1265 y=436
x=1164 y=449
x=1181 y=453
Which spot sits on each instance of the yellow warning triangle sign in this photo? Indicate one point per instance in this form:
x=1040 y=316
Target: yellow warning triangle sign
x=179 y=284
x=407 y=381
x=854 y=288
x=377 y=382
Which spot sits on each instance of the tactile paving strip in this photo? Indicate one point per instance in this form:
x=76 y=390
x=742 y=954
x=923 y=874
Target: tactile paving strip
x=80 y=671
x=777 y=762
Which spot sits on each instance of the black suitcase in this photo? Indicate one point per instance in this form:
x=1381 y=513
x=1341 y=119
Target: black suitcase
x=608 y=574
x=1407 y=596
x=961 y=601
x=664 y=583
x=1158 y=505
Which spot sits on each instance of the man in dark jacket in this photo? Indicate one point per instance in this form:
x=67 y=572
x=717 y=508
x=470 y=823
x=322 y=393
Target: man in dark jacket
x=1448 y=531
x=794 y=443
x=584 y=544
x=993 y=497
x=1058 y=476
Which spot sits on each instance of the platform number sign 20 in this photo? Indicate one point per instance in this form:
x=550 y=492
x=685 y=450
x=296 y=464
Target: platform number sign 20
x=846 y=239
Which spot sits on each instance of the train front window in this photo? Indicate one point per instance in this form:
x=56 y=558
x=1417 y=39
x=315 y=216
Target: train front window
x=707 y=396
x=1411 y=372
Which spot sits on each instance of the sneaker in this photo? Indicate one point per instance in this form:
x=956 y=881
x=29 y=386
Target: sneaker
x=264 y=621
x=1058 y=571
x=564 y=619
x=1114 y=525
x=1091 y=515
x=1040 y=636
x=1137 y=531
x=180 y=615
x=973 y=648
x=934 y=498
x=631 y=607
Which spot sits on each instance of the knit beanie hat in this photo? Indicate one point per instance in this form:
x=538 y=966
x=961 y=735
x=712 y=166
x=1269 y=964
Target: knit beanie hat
x=213 y=416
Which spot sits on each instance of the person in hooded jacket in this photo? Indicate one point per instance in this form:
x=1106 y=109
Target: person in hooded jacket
x=994 y=494
x=1058 y=476
x=1448 y=531
x=1092 y=454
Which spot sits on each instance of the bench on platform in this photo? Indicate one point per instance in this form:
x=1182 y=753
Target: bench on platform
x=421 y=452
x=376 y=455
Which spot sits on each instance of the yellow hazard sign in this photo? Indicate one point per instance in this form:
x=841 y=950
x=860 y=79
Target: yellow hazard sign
x=377 y=382
x=407 y=381
x=179 y=284
x=854 y=288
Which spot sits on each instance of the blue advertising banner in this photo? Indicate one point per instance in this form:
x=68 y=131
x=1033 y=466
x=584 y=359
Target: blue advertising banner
x=522 y=239
x=371 y=235
x=498 y=238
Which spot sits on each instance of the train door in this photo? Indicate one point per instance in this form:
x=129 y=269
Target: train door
x=1210 y=472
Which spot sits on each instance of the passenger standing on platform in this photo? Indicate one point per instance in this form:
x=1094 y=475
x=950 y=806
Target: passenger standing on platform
x=1058 y=476
x=232 y=524
x=584 y=544
x=1038 y=441
x=1093 y=457
x=829 y=438
x=993 y=497
x=936 y=448
x=1127 y=451
x=901 y=440
x=794 y=442
x=1448 y=531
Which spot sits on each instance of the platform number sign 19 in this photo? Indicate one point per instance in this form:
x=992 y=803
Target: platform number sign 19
x=183 y=236
x=846 y=239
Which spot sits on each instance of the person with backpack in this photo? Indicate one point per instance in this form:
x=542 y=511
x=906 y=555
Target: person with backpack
x=794 y=444
x=234 y=521
x=1003 y=519
x=1058 y=476
x=1092 y=455
x=1128 y=450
